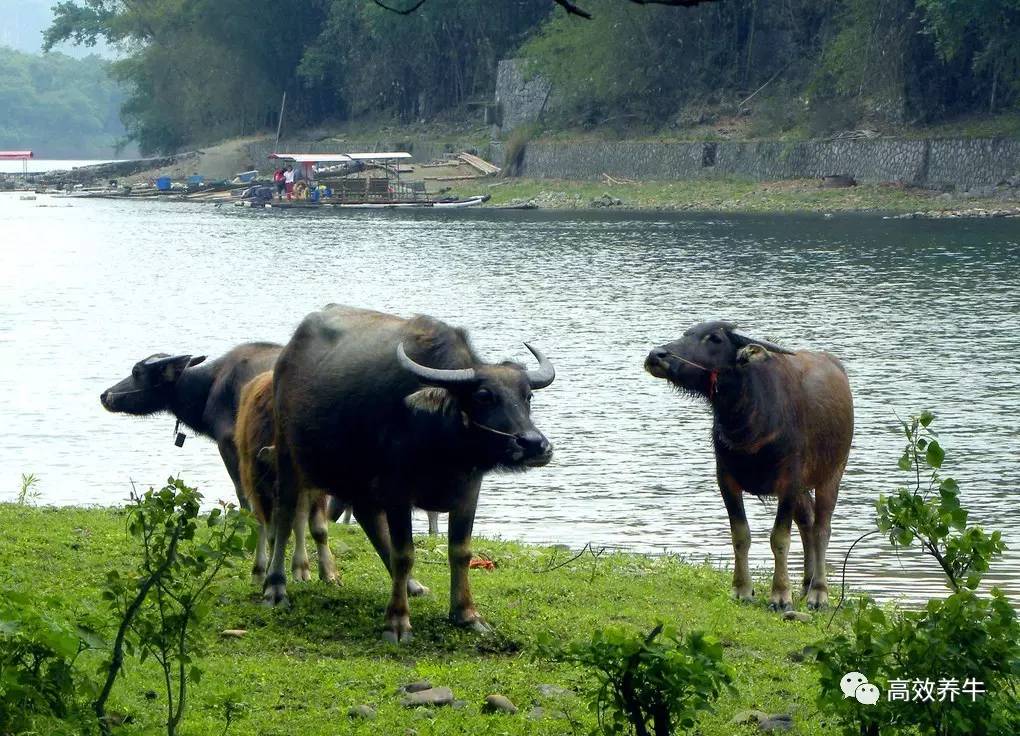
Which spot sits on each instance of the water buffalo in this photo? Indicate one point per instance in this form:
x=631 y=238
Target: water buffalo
x=203 y=396
x=254 y=437
x=782 y=425
x=386 y=413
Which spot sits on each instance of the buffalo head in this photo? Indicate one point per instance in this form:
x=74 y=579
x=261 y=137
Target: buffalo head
x=493 y=402
x=694 y=362
x=150 y=387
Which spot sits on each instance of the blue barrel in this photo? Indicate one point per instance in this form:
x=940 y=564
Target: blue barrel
x=163 y=183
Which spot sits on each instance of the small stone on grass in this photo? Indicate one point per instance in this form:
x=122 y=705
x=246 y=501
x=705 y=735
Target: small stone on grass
x=434 y=697
x=778 y=722
x=233 y=633
x=365 y=712
x=798 y=616
x=414 y=687
x=497 y=703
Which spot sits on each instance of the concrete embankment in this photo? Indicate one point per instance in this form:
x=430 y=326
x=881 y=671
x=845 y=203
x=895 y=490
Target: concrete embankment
x=949 y=164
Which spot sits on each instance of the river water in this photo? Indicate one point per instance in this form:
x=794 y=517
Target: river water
x=925 y=314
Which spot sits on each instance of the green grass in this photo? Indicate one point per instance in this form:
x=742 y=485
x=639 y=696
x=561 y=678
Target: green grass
x=727 y=195
x=298 y=671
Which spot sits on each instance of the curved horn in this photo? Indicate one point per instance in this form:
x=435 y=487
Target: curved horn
x=741 y=340
x=436 y=376
x=545 y=374
x=166 y=360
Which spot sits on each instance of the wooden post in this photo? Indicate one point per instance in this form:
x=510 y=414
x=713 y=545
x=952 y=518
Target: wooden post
x=279 y=122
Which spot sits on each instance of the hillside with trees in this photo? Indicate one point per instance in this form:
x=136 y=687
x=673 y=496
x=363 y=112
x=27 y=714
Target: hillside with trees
x=208 y=69
x=59 y=106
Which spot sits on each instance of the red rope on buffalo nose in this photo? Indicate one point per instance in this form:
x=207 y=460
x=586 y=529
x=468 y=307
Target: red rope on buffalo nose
x=713 y=376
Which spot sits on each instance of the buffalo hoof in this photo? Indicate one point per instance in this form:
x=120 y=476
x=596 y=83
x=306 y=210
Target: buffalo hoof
x=416 y=589
x=743 y=596
x=257 y=578
x=275 y=600
x=470 y=620
x=275 y=591
x=780 y=606
x=478 y=626
x=301 y=573
x=817 y=599
x=398 y=630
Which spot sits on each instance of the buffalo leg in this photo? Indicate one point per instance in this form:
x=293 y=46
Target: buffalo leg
x=433 y=523
x=780 y=599
x=398 y=615
x=258 y=570
x=825 y=502
x=320 y=533
x=299 y=567
x=228 y=451
x=274 y=591
x=378 y=533
x=462 y=521
x=804 y=515
x=740 y=533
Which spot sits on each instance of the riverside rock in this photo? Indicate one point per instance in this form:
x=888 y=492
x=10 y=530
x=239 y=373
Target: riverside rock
x=433 y=697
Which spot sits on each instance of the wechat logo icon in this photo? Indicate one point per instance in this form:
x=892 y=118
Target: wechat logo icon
x=856 y=685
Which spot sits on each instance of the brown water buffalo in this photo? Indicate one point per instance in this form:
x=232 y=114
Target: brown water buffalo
x=782 y=425
x=386 y=413
x=254 y=437
x=203 y=395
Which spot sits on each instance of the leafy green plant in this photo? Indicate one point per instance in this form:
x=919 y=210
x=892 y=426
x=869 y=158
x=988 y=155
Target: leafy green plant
x=27 y=494
x=930 y=655
x=40 y=686
x=162 y=606
x=648 y=684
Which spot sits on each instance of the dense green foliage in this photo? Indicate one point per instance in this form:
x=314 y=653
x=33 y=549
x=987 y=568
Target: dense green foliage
x=206 y=69
x=40 y=687
x=657 y=683
x=964 y=637
x=823 y=66
x=58 y=106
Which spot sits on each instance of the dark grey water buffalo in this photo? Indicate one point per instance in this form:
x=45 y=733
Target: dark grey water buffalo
x=386 y=413
x=203 y=395
x=782 y=425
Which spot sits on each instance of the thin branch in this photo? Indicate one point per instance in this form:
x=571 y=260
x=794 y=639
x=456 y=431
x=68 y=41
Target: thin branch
x=573 y=9
x=398 y=11
x=567 y=5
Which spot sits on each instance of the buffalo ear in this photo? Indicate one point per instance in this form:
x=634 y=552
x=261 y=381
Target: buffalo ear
x=430 y=400
x=267 y=455
x=752 y=353
x=174 y=367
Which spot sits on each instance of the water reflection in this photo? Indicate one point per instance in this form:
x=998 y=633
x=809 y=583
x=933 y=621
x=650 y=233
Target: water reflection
x=922 y=313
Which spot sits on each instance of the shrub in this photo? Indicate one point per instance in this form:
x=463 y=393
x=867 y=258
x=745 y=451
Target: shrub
x=955 y=663
x=160 y=608
x=654 y=684
x=40 y=687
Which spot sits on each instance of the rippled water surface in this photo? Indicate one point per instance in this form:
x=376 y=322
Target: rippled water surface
x=923 y=313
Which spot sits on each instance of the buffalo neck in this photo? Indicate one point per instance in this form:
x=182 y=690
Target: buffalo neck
x=748 y=407
x=191 y=393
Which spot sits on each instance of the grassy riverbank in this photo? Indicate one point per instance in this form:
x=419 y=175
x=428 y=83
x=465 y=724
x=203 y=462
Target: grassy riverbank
x=734 y=195
x=300 y=670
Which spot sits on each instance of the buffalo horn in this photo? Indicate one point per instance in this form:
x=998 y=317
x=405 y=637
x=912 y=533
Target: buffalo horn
x=188 y=360
x=436 y=376
x=545 y=373
x=741 y=340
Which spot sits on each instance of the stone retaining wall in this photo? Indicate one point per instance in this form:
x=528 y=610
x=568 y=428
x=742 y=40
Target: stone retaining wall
x=962 y=163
